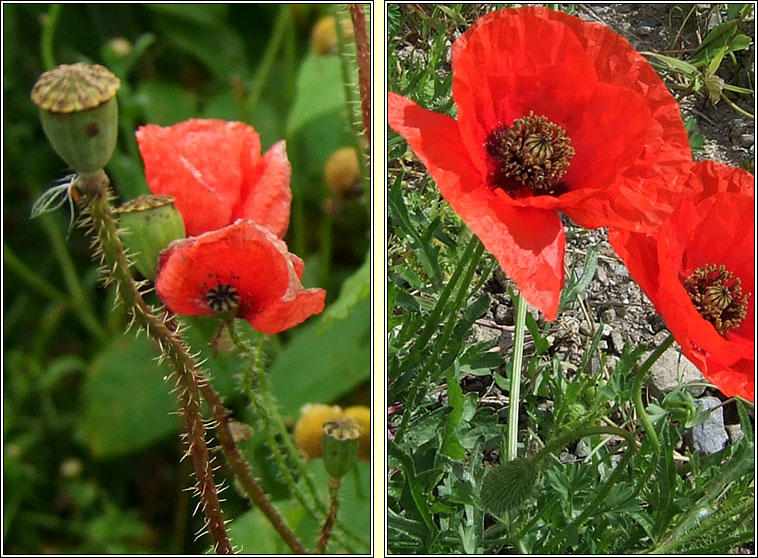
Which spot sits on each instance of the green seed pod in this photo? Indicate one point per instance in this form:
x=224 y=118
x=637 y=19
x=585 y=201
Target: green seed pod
x=149 y=224
x=79 y=114
x=508 y=485
x=341 y=440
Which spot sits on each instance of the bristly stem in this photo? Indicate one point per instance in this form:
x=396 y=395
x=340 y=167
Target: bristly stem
x=363 y=57
x=514 y=395
x=107 y=246
x=331 y=517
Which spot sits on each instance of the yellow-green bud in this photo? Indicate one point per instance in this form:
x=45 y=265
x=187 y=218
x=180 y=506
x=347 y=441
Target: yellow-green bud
x=341 y=440
x=324 y=34
x=79 y=114
x=342 y=173
x=149 y=224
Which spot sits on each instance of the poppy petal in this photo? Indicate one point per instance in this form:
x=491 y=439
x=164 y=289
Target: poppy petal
x=197 y=162
x=528 y=243
x=265 y=195
x=248 y=258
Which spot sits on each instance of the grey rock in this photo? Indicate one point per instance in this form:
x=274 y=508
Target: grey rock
x=503 y=315
x=608 y=316
x=735 y=433
x=710 y=436
x=618 y=341
x=583 y=448
x=747 y=140
x=667 y=371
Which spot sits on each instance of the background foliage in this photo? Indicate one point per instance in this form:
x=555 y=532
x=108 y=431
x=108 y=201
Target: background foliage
x=91 y=447
x=449 y=388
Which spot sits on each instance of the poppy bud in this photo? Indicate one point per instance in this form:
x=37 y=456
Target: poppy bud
x=309 y=431
x=79 y=114
x=362 y=415
x=341 y=440
x=508 y=485
x=324 y=34
x=149 y=223
x=341 y=172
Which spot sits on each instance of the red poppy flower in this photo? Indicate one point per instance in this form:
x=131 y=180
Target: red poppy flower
x=215 y=171
x=698 y=270
x=239 y=271
x=554 y=114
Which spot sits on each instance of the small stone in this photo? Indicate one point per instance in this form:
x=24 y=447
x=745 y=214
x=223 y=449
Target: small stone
x=603 y=345
x=618 y=341
x=710 y=436
x=608 y=316
x=601 y=274
x=503 y=315
x=667 y=371
x=621 y=271
x=747 y=140
x=583 y=448
x=735 y=433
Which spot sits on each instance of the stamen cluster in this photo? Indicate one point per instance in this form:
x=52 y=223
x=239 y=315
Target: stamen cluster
x=718 y=296
x=533 y=152
x=223 y=299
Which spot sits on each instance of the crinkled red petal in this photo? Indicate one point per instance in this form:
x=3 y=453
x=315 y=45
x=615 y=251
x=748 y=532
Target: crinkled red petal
x=653 y=183
x=266 y=196
x=248 y=257
x=509 y=63
x=198 y=163
x=528 y=243
x=704 y=229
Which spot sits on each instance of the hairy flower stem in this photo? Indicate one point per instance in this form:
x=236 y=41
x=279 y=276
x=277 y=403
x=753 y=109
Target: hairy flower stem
x=255 y=389
x=238 y=465
x=363 y=55
x=107 y=246
x=331 y=517
x=514 y=395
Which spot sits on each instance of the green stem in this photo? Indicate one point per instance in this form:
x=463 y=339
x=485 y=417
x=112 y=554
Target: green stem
x=471 y=256
x=48 y=33
x=513 y=397
x=729 y=102
x=267 y=60
x=274 y=425
x=326 y=247
x=639 y=381
x=70 y=277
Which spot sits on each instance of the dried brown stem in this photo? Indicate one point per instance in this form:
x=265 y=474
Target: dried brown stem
x=331 y=517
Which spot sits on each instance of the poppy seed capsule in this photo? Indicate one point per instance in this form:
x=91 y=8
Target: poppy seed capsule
x=341 y=172
x=149 y=223
x=341 y=440
x=79 y=114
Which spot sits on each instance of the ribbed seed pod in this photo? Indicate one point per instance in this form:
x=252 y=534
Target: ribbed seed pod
x=79 y=113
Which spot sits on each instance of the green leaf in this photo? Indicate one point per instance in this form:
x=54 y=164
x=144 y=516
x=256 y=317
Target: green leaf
x=354 y=289
x=451 y=446
x=127 y=402
x=318 y=90
x=668 y=64
x=320 y=364
x=166 y=103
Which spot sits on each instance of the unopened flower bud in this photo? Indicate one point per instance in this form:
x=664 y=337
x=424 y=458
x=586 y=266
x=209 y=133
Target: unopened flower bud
x=309 y=431
x=324 y=34
x=509 y=485
x=362 y=415
x=341 y=440
x=342 y=173
x=79 y=113
x=149 y=224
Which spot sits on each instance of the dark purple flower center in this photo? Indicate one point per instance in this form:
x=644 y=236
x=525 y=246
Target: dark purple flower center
x=717 y=296
x=530 y=157
x=223 y=299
